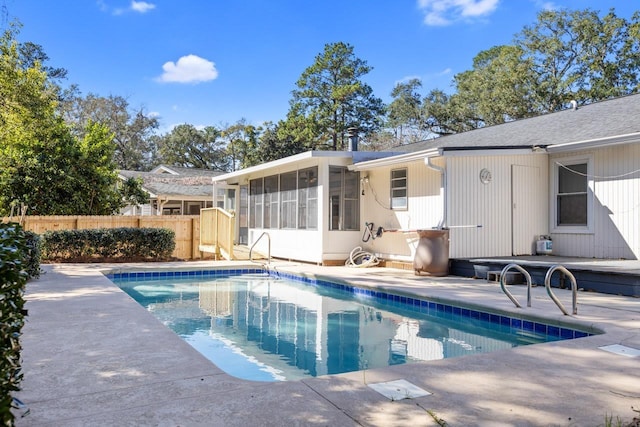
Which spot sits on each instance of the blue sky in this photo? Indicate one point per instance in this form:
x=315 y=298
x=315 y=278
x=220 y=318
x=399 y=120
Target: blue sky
x=211 y=62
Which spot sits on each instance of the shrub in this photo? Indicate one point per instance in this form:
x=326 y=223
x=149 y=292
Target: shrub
x=16 y=256
x=32 y=255
x=108 y=243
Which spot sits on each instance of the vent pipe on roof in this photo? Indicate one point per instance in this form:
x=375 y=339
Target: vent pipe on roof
x=352 y=133
x=574 y=104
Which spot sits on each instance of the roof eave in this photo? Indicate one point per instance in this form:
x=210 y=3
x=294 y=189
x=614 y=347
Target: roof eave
x=395 y=160
x=280 y=162
x=595 y=143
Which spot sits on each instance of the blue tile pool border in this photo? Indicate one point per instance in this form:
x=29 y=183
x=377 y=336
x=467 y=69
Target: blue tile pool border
x=134 y=276
x=421 y=305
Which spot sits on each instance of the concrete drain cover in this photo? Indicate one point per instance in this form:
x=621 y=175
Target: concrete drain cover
x=622 y=350
x=399 y=389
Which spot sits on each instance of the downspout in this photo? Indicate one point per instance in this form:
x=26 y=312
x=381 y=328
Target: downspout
x=443 y=189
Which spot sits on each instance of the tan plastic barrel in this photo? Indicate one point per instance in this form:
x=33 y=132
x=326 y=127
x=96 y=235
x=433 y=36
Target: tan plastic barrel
x=432 y=253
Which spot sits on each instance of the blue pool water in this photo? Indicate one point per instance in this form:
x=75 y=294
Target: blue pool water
x=267 y=328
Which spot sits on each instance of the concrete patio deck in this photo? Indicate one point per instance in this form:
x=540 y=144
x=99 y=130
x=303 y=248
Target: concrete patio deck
x=93 y=357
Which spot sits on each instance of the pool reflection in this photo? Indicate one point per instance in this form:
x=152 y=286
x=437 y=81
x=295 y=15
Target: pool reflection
x=270 y=329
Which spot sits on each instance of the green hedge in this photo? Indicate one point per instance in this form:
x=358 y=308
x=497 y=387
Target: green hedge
x=18 y=253
x=108 y=244
x=32 y=256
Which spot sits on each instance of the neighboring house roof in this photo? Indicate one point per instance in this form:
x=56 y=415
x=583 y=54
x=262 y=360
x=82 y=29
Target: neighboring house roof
x=183 y=171
x=599 y=120
x=174 y=181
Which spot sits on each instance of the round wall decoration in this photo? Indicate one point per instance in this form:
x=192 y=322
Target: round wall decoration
x=485 y=176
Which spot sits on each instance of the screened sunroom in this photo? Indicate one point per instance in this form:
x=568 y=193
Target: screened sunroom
x=308 y=205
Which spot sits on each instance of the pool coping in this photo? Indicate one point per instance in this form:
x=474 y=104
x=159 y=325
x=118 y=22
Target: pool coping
x=105 y=382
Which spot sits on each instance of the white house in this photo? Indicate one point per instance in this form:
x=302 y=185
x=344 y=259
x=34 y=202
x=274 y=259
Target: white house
x=573 y=175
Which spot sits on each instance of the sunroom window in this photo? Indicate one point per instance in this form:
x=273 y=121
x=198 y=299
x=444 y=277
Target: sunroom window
x=278 y=201
x=288 y=187
x=308 y=198
x=271 y=194
x=344 y=200
x=256 y=189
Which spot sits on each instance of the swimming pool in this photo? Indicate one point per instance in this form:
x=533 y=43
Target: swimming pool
x=278 y=326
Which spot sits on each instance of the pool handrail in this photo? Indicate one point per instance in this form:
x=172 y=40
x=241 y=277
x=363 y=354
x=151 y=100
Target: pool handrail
x=268 y=247
x=574 y=288
x=503 y=278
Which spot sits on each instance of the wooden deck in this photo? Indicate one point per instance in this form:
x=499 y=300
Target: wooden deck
x=240 y=252
x=621 y=277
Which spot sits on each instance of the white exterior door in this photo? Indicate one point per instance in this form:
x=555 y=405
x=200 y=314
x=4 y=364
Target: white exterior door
x=525 y=188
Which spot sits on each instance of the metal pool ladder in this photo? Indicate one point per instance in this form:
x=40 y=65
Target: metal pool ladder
x=264 y=233
x=547 y=285
x=503 y=278
x=574 y=288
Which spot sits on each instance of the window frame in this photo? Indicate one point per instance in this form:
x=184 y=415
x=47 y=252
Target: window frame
x=256 y=203
x=557 y=164
x=339 y=223
x=307 y=210
x=288 y=200
x=393 y=180
x=270 y=213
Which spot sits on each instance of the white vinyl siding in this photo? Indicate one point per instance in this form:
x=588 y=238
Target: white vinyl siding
x=425 y=209
x=480 y=215
x=615 y=184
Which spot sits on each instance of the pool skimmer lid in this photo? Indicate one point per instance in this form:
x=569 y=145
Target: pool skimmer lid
x=622 y=350
x=399 y=389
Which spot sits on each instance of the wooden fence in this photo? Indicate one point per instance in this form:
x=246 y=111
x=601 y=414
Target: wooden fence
x=186 y=227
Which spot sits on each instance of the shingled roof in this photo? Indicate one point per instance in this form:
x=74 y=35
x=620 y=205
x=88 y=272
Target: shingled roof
x=179 y=181
x=619 y=116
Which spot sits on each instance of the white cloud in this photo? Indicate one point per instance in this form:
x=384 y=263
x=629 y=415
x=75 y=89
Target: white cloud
x=445 y=12
x=188 y=69
x=142 y=6
x=135 y=6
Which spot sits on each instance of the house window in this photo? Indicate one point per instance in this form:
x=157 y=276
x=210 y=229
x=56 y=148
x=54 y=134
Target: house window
x=255 y=202
x=308 y=199
x=288 y=187
x=344 y=200
x=572 y=204
x=271 y=201
x=399 y=189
